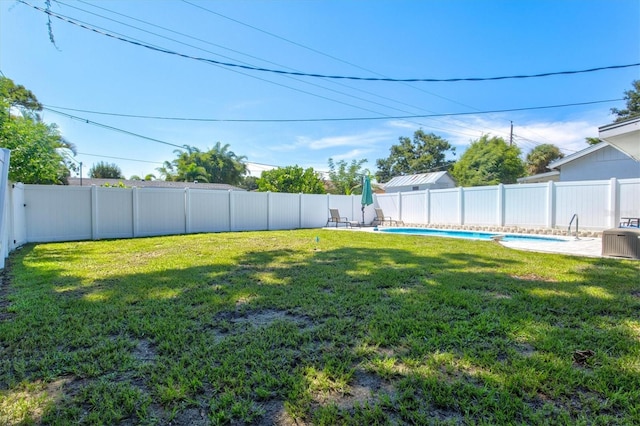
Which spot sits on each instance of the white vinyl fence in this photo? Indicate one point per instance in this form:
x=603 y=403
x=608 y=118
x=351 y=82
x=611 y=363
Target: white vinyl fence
x=46 y=213
x=598 y=204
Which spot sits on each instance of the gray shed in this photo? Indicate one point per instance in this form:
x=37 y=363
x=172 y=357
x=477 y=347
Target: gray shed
x=420 y=182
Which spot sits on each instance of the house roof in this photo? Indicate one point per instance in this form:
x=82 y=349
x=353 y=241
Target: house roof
x=153 y=184
x=624 y=135
x=540 y=177
x=418 y=179
x=569 y=158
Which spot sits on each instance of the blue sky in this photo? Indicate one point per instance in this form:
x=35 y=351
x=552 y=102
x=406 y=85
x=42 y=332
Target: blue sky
x=89 y=72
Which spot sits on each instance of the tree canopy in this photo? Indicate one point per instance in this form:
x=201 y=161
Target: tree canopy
x=291 y=179
x=103 y=170
x=488 y=161
x=426 y=152
x=217 y=165
x=346 y=178
x=39 y=153
x=632 y=98
x=539 y=158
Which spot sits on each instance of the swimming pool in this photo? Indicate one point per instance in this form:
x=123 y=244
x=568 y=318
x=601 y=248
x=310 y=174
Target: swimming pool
x=472 y=235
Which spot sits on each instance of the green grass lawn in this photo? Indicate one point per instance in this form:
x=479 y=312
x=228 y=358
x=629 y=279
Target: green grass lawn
x=276 y=328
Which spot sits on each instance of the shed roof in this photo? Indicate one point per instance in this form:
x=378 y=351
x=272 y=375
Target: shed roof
x=418 y=179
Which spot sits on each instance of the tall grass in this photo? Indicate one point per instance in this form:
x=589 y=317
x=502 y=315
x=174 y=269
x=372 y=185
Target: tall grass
x=277 y=328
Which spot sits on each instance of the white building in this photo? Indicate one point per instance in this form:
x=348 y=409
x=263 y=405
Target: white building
x=420 y=182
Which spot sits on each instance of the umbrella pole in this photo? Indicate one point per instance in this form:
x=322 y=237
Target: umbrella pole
x=363 y=215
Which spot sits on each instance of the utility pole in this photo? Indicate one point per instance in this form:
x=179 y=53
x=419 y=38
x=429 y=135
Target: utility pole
x=511 y=135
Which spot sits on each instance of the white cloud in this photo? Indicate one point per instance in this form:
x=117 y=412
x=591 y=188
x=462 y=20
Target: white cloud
x=354 y=154
x=358 y=139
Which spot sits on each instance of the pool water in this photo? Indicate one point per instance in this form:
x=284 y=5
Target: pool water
x=472 y=235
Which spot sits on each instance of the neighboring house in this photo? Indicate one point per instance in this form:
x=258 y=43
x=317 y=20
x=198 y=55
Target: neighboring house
x=597 y=162
x=420 y=182
x=152 y=184
x=624 y=135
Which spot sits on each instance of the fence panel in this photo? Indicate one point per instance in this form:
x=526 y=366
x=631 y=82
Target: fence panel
x=444 y=206
x=284 y=210
x=114 y=212
x=57 y=213
x=590 y=201
x=414 y=207
x=344 y=204
x=526 y=205
x=314 y=210
x=628 y=199
x=209 y=211
x=160 y=211
x=481 y=205
x=389 y=203
x=249 y=211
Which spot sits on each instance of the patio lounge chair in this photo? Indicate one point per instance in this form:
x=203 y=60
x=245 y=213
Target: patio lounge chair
x=381 y=218
x=337 y=219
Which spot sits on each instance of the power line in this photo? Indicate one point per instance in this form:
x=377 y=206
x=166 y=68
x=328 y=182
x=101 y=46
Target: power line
x=119 y=158
x=288 y=76
x=115 y=129
x=54 y=109
x=326 y=76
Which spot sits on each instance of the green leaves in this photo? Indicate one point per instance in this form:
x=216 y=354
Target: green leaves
x=38 y=151
x=425 y=153
x=291 y=179
x=217 y=165
x=488 y=161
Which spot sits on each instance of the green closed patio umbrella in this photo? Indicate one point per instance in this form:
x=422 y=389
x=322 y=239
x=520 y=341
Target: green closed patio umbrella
x=367 y=194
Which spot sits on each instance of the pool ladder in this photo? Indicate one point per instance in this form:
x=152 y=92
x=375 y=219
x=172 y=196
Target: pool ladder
x=575 y=216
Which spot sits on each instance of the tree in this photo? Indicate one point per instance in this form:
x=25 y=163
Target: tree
x=39 y=153
x=633 y=103
x=104 y=170
x=592 y=141
x=488 y=161
x=346 y=178
x=217 y=165
x=291 y=179
x=250 y=183
x=425 y=153
x=539 y=158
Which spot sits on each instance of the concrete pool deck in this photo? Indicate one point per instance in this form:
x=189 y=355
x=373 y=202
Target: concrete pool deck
x=585 y=246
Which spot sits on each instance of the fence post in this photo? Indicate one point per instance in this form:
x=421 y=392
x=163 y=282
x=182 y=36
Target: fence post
x=400 y=206
x=427 y=212
x=135 y=211
x=551 y=205
x=94 y=213
x=614 y=211
x=4 y=192
x=232 y=209
x=500 y=205
x=460 y=205
x=187 y=211
x=300 y=209
x=269 y=215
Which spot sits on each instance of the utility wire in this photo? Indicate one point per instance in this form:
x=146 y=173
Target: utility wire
x=315 y=75
x=55 y=109
x=119 y=158
x=268 y=81
x=115 y=129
